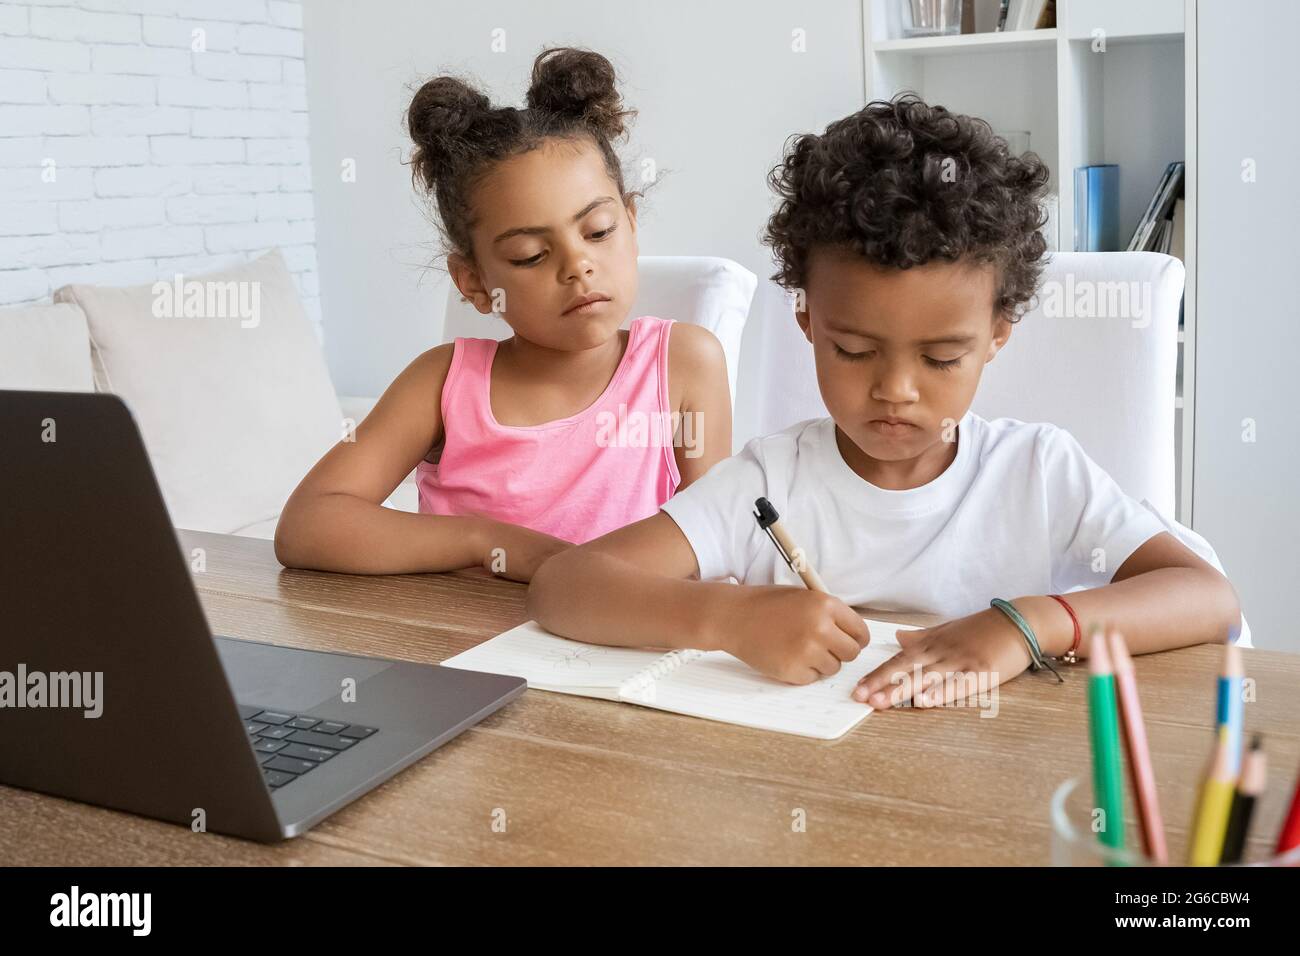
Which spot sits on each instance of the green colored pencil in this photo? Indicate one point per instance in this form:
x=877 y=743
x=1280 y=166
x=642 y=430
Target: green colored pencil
x=1107 y=772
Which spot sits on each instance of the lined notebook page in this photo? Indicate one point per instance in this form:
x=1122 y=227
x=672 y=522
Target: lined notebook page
x=715 y=685
x=719 y=687
x=554 y=663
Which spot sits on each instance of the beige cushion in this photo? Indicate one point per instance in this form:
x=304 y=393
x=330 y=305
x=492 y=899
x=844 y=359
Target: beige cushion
x=233 y=397
x=45 y=348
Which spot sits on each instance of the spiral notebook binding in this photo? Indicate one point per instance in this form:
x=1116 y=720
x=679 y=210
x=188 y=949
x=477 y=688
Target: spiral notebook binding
x=641 y=685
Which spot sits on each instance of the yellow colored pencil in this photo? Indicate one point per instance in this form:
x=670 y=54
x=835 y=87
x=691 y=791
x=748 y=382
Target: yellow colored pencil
x=1212 y=813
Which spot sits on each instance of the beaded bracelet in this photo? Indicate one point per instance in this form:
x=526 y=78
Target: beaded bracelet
x=1036 y=659
x=1072 y=655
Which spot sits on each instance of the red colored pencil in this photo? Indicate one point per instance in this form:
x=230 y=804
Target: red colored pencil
x=1289 y=838
x=1139 y=754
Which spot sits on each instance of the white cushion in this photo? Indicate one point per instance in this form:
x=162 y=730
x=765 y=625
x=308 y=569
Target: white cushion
x=234 y=407
x=45 y=348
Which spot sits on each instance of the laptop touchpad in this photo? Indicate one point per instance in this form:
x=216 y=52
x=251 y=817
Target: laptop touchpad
x=273 y=676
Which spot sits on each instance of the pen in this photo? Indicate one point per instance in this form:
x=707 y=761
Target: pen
x=792 y=554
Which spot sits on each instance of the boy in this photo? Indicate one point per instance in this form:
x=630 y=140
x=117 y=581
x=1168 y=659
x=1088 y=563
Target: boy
x=913 y=237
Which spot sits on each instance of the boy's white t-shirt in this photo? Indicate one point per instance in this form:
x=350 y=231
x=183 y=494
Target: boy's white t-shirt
x=1020 y=510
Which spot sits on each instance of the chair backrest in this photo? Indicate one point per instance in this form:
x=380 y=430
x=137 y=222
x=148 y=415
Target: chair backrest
x=1097 y=356
x=699 y=290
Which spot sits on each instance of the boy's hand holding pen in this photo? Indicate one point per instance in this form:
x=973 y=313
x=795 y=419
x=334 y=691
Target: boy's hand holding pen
x=982 y=642
x=791 y=634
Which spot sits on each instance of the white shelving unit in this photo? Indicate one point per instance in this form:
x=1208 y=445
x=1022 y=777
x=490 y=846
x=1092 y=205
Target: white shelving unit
x=969 y=42
x=1131 y=104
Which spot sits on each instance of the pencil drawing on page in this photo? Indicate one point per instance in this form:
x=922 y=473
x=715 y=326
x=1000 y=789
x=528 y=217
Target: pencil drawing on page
x=571 y=658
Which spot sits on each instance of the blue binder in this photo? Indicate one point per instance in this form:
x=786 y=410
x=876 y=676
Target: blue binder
x=1096 y=208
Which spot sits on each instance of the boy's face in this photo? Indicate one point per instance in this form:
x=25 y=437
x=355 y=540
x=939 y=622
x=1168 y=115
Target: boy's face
x=550 y=229
x=899 y=352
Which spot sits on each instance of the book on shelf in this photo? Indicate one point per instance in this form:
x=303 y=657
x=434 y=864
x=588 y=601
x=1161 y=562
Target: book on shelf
x=1160 y=241
x=1179 y=221
x=1177 y=246
x=1026 y=15
x=1152 y=234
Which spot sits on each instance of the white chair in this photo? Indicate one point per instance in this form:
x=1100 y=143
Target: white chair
x=1098 y=355
x=699 y=290
x=1109 y=381
x=1108 y=375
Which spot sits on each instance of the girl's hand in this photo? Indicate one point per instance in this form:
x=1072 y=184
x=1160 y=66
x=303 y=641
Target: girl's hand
x=956 y=658
x=512 y=552
x=789 y=633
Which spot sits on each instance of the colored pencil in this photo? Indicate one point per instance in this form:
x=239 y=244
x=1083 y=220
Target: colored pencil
x=1211 y=821
x=1288 y=837
x=1228 y=711
x=1107 y=775
x=1254 y=774
x=1139 y=753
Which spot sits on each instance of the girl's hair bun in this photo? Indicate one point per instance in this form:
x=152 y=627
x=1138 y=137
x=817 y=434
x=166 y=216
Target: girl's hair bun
x=458 y=134
x=578 y=84
x=441 y=122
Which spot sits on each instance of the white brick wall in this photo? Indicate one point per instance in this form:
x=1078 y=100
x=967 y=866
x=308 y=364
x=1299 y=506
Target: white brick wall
x=128 y=155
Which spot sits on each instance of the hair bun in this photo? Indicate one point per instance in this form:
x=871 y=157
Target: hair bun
x=442 y=115
x=580 y=84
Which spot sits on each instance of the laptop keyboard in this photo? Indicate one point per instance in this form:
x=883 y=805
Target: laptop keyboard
x=289 y=745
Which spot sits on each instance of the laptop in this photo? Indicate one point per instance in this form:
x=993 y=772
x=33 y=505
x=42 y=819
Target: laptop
x=115 y=692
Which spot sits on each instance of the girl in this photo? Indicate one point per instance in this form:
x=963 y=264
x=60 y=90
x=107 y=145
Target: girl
x=570 y=428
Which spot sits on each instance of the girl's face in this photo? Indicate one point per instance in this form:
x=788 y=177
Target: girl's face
x=551 y=233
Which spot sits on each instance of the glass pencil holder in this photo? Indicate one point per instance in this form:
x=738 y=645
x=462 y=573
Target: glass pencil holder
x=1075 y=842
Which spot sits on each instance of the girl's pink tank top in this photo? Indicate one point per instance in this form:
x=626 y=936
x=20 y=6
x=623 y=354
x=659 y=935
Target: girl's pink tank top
x=575 y=478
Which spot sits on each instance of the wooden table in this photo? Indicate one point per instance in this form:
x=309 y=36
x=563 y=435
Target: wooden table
x=581 y=781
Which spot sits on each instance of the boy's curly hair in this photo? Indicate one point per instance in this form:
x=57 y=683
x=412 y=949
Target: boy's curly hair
x=903 y=183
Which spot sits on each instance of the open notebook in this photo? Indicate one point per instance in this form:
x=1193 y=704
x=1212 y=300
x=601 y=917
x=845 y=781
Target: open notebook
x=709 y=684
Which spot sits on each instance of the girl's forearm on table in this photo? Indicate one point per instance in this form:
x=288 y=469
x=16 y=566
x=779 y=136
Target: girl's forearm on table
x=344 y=533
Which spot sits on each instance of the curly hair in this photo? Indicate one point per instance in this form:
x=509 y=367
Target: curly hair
x=459 y=135
x=903 y=183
